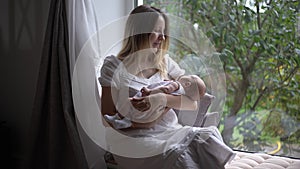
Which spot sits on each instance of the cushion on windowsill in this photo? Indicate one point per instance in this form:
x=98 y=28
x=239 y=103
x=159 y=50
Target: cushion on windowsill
x=244 y=160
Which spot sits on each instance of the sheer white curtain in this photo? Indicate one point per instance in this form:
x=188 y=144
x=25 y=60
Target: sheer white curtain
x=86 y=19
x=82 y=25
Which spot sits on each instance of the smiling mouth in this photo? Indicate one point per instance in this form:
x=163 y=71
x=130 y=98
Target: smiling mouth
x=156 y=45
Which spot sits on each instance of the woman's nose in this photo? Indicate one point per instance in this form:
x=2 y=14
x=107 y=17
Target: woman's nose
x=161 y=36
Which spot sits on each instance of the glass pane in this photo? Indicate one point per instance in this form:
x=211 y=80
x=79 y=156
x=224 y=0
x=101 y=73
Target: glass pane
x=258 y=44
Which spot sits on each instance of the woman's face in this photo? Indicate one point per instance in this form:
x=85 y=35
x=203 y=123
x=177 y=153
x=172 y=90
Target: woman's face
x=157 y=35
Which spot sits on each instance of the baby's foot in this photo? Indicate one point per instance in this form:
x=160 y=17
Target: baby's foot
x=121 y=124
x=111 y=119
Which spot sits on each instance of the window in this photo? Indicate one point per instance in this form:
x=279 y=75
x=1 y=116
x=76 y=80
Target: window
x=258 y=44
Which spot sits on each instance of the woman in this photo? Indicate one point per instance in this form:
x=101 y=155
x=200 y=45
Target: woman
x=142 y=61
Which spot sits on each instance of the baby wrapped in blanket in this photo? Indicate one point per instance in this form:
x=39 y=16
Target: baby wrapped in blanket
x=189 y=85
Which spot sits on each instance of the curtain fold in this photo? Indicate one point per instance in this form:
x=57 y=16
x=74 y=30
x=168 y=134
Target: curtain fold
x=54 y=139
x=84 y=49
x=82 y=24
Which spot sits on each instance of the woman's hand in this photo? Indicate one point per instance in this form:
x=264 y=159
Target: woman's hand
x=144 y=103
x=145 y=91
x=140 y=103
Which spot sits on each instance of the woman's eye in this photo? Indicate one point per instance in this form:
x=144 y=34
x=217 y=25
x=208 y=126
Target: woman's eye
x=158 y=31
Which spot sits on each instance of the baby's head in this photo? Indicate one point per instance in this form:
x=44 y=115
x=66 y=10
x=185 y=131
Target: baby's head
x=193 y=85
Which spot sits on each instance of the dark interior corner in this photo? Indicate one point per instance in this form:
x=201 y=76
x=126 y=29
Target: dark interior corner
x=22 y=28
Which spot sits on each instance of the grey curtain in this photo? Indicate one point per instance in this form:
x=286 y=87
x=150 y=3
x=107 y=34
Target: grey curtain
x=54 y=139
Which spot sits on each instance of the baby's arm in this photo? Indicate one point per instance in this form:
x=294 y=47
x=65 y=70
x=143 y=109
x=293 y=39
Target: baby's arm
x=168 y=88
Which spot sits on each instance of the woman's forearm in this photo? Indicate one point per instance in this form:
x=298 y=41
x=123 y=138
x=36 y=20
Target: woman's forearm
x=107 y=105
x=180 y=102
x=150 y=124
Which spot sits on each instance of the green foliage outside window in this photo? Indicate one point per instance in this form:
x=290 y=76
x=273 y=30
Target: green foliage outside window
x=258 y=43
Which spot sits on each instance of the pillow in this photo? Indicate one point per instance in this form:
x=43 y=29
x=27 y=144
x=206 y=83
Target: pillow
x=196 y=118
x=203 y=106
x=211 y=119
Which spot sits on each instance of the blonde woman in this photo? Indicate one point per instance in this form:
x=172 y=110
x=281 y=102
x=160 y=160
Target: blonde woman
x=143 y=60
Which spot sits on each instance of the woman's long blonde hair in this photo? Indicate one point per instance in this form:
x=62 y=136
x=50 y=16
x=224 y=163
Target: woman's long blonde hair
x=139 y=26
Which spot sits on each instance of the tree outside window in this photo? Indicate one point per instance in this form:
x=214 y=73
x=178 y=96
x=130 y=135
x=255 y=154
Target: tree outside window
x=258 y=44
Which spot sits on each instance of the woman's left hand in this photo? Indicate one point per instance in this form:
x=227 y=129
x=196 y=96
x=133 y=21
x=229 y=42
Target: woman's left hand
x=144 y=103
x=141 y=103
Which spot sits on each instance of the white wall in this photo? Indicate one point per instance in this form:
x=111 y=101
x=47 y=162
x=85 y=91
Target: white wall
x=108 y=13
x=109 y=10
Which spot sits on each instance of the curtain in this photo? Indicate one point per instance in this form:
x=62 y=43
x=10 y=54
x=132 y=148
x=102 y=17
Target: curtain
x=84 y=52
x=55 y=142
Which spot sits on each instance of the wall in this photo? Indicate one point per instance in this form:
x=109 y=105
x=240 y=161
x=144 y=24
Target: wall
x=111 y=11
